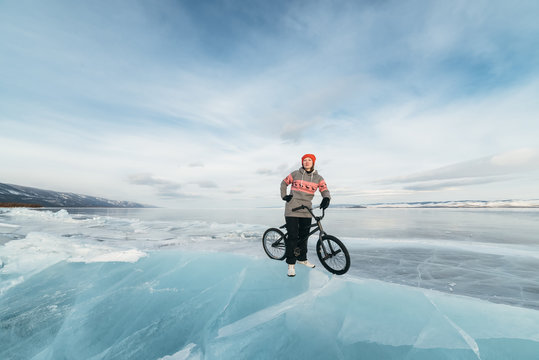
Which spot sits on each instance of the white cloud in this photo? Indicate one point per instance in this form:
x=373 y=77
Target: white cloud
x=435 y=185
x=513 y=162
x=374 y=90
x=206 y=184
x=517 y=158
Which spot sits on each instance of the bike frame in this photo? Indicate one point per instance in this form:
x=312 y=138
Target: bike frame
x=317 y=225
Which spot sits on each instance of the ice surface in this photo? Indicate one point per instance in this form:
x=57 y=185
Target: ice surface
x=89 y=286
x=183 y=305
x=8 y=225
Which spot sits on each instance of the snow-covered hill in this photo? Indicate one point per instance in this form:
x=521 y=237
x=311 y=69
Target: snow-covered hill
x=27 y=195
x=463 y=204
x=509 y=203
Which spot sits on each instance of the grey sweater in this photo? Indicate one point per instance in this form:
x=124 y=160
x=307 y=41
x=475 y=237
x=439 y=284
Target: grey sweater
x=304 y=185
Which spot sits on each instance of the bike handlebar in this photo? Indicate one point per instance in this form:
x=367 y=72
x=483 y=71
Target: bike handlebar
x=318 y=218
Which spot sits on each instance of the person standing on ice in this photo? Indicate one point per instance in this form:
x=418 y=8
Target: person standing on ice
x=305 y=182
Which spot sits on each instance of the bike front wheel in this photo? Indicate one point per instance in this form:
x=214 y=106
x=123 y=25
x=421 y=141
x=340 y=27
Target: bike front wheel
x=273 y=243
x=333 y=254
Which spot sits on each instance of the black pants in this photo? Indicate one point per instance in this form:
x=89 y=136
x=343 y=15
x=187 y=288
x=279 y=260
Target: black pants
x=297 y=228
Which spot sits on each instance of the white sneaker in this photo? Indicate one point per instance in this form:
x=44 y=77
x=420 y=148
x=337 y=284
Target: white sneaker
x=291 y=270
x=306 y=263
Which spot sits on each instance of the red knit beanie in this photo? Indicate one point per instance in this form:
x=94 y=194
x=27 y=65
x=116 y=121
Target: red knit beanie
x=313 y=158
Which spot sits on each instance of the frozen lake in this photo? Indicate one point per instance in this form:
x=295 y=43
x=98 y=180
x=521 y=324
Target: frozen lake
x=469 y=273
x=491 y=254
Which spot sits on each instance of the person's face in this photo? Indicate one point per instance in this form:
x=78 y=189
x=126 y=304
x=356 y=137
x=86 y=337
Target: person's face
x=308 y=163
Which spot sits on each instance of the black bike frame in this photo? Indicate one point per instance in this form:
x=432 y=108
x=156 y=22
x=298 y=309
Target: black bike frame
x=317 y=225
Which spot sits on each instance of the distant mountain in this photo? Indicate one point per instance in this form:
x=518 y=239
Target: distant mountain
x=462 y=204
x=466 y=204
x=449 y=204
x=348 y=206
x=15 y=194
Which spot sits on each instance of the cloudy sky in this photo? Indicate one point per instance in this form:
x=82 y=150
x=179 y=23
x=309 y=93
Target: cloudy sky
x=213 y=103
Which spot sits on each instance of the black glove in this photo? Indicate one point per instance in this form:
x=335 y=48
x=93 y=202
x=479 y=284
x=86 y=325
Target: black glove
x=325 y=203
x=287 y=198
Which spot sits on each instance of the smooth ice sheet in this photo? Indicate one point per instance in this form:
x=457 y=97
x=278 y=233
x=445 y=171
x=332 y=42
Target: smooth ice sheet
x=184 y=305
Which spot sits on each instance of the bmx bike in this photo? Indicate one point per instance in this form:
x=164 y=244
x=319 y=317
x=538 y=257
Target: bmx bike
x=331 y=251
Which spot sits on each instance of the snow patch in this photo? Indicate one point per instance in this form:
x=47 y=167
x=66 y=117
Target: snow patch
x=9 y=225
x=131 y=256
x=183 y=354
x=38 y=251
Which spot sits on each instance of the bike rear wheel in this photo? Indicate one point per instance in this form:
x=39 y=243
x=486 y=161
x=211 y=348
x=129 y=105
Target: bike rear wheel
x=333 y=254
x=273 y=243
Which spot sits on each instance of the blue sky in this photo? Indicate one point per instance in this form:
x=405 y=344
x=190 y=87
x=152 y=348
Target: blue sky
x=213 y=103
